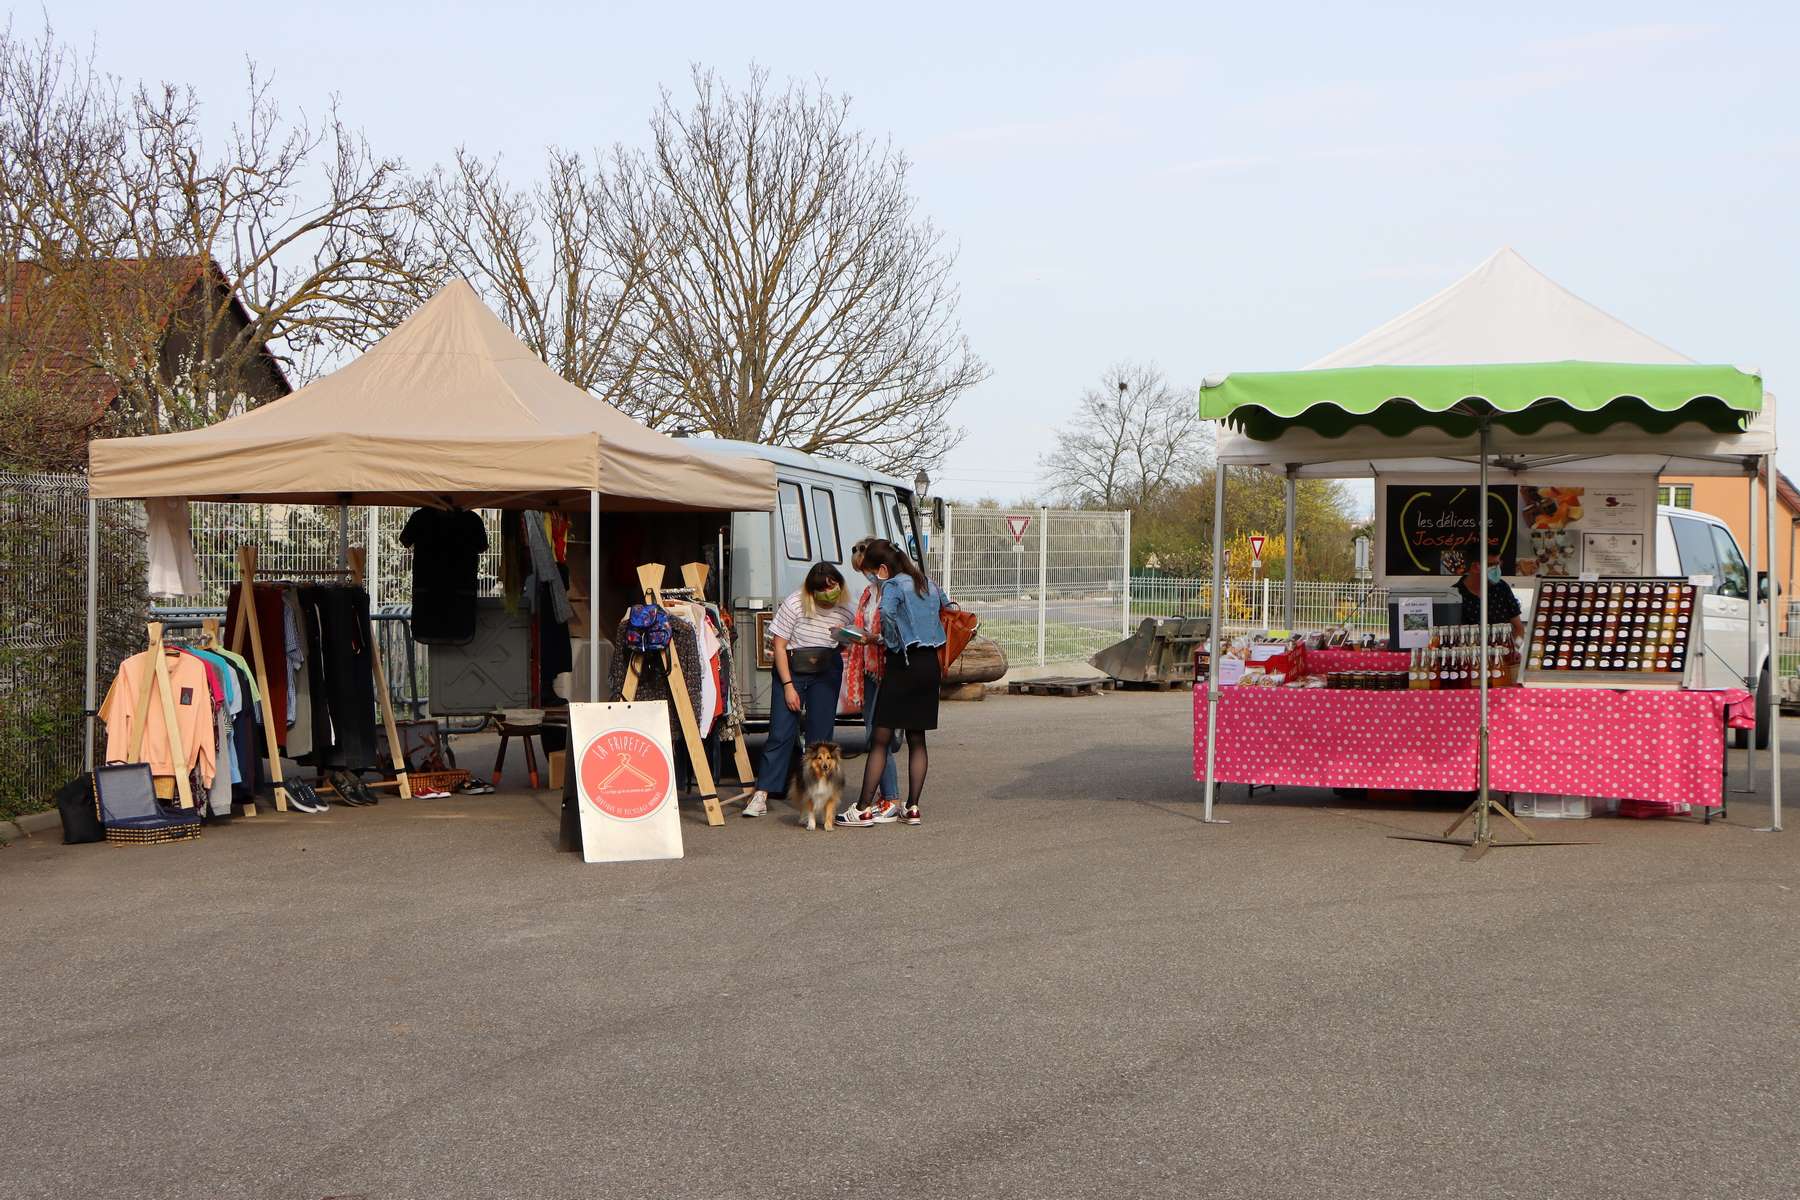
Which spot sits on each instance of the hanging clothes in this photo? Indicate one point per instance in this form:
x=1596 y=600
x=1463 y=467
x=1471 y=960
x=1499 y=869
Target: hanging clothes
x=545 y=568
x=194 y=722
x=297 y=738
x=447 y=545
x=336 y=620
x=268 y=611
x=173 y=571
x=653 y=679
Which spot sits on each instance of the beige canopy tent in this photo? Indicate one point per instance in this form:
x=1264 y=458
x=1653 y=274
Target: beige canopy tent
x=450 y=409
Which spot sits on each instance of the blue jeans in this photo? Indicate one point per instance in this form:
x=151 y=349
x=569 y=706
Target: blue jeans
x=890 y=775
x=818 y=706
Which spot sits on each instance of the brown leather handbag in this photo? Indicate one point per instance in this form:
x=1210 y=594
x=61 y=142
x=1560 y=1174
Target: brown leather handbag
x=959 y=628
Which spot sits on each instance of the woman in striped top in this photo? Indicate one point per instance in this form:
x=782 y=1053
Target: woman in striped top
x=809 y=670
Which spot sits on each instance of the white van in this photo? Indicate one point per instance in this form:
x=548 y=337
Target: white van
x=1696 y=543
x=823 y=507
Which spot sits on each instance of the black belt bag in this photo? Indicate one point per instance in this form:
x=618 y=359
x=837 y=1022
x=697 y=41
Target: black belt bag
x=811 y=660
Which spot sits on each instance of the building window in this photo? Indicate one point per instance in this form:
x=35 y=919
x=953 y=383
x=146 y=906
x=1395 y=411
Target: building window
x=1678 y=495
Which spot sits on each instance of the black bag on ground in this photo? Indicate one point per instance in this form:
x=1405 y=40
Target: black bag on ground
x=80 y=817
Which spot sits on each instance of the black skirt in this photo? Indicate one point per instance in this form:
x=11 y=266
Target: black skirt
x=908 y=697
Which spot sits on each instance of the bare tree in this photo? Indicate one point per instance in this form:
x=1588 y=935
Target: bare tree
x=302 y=238
x=542 y=257
x=1133 y=439
x=792 y=293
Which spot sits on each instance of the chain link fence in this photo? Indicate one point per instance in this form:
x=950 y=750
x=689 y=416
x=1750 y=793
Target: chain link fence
x=1256 y=603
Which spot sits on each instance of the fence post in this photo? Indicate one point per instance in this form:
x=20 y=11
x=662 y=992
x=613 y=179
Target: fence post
x=89 y=679
x=1265 y=603
x=1125 y=579
x=949 y=545
x=1043 y=576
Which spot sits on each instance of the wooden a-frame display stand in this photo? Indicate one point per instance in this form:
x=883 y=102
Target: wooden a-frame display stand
x=158 y=677
x=246 y=624
x=650 y=578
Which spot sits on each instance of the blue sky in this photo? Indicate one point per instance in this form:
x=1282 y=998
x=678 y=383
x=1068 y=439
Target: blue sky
x=1211 y=187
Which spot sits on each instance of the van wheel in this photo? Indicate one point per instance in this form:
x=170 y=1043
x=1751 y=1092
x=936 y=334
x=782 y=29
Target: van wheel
x=1764 y=714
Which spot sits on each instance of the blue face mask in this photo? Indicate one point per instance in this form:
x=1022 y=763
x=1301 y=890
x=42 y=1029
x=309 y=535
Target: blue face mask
x=1493 y=574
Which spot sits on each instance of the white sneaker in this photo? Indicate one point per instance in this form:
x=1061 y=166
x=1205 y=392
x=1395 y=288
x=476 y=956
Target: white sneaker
x=757 y=805
x=857 y=818
x=886 y=812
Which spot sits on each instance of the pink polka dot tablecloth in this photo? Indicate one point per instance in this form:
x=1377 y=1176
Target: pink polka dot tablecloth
x=1638 y=745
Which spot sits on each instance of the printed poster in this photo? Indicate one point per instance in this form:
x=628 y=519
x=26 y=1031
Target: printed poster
x=1414 y=613
x=1613 y=553
x=1552 y=518
x=624 y=764
x=1620 y=510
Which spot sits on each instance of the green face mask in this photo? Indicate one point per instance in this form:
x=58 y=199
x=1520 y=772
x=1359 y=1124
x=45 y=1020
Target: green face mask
x=831 y=597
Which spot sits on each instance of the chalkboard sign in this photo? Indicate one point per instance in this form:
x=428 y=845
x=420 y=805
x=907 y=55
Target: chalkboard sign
x=1433 y=530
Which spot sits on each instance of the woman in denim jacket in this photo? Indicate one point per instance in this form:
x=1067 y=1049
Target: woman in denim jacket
x=911 y=632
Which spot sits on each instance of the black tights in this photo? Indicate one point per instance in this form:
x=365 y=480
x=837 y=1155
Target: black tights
x=917 y=761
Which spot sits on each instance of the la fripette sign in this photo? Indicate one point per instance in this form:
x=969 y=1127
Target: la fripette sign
x=625 y=780
x=1433 y=530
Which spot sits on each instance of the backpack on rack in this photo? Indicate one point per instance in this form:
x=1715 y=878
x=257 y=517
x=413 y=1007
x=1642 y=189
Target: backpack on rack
x=647 y=629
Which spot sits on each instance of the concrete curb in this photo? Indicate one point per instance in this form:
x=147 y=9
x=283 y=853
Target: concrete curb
x=31 y=824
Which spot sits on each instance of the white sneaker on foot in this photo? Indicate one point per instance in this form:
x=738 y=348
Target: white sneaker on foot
x=885 y=812
x=857 y=818
x=757 y=805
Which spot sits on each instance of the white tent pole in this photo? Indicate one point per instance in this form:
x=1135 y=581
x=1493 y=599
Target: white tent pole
x=1481 y=554
x=1215 y=636
x=1753 y=660
x=1774 y=707
x=91 y=683
x=594 y=597
x=1287 y=583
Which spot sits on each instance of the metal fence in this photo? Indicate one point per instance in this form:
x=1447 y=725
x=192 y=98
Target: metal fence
x=1256 y=603
x=1049 y=584
x=43 y=624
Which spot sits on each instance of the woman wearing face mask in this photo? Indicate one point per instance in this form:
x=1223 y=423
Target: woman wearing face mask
x=911 y=632
x=1503 y=606
x=871 y=660
x=809 y=667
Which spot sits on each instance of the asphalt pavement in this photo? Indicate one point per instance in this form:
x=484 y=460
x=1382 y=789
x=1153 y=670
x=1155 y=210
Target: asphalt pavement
x=1063 y=984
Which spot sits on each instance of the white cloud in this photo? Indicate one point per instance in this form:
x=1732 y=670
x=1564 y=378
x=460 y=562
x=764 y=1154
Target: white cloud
x=1623 y=38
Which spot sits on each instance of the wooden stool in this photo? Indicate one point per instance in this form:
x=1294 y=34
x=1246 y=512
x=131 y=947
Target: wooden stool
x=524 y=733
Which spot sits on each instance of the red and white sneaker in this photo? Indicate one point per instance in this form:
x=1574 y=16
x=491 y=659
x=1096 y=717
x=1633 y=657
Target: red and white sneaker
x=912 y=816
x=857 y=818
x=886 y=812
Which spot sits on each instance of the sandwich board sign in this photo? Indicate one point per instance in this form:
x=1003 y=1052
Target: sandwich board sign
x=624 y=765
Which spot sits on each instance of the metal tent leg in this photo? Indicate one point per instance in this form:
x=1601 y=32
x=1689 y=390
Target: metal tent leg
x=1216 y=638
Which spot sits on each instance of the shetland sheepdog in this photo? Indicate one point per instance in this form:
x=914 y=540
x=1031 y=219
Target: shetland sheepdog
x=821 y=784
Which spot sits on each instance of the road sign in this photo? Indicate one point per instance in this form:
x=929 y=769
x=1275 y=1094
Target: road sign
x=1018 y=526
x=1256 y=545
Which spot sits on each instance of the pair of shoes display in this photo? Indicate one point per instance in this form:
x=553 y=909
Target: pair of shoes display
x=476 y=786
x=302 y=798
x=352 y=790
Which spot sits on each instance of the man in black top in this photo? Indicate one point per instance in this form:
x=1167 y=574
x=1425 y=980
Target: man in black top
x=1503 y=606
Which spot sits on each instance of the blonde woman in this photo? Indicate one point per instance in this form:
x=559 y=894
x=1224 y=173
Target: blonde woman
x=809 y=669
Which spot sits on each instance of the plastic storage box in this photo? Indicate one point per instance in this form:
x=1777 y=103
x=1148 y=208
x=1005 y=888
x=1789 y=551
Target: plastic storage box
x=1535 y=804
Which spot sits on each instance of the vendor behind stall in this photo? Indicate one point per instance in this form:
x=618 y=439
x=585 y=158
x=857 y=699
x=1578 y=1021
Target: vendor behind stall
x=1503 y=606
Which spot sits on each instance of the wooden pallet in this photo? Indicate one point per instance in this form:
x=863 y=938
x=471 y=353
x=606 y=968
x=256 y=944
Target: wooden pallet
x=1057 y=685
x=1148 y=685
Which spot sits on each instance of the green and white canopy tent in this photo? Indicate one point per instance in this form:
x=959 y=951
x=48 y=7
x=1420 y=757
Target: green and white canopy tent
x=1504 y=371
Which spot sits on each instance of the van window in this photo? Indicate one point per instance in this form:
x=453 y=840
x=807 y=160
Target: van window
x=793 y=521
x=1734 y=577
x=825 y=521
x=1694 y=543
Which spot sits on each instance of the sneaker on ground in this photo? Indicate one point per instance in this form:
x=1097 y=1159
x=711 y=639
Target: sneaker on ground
x=857 y=818
x=757 y=805
x=477 y=787
x=912 y=815
x=435 y=793
x=296 y=800
x=886 y=812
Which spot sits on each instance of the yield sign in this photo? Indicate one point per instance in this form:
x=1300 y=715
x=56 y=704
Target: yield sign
x=1018 y=526
x=1256 y=545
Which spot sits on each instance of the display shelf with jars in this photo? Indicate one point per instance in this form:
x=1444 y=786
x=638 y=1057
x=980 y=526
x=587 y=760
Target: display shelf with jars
x=1639 y=632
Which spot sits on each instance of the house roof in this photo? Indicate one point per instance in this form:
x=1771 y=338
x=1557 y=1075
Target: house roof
x=49 y=319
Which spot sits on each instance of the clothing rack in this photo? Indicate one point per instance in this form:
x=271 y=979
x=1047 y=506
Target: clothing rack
x=247 y=575
x=209 y=639
x=158 y=677
x=696 y=573
x=650 y=577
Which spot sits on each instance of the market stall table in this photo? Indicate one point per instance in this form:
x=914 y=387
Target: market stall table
x=1665 y=747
